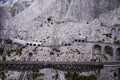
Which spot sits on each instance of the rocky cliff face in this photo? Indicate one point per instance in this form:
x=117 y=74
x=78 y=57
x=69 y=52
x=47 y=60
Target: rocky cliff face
x=67 y=19
x=88 y=12
x=63 y=20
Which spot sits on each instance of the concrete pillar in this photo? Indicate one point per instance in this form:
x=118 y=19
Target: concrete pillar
x=98 y=74
x=114 y=54
x=118 y=73
x=102 y=53
x=92 y=51
x=48 y=74
x=61 y=75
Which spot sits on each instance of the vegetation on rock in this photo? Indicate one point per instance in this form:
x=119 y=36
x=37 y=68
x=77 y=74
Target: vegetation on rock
x=76 y=76
x=109 y=35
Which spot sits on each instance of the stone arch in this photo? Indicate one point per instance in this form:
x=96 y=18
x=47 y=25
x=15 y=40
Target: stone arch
x=97 y=49
x=113 y=32
x=96 y=53
x=108 y=53
x=118 y=53
x=118 y=33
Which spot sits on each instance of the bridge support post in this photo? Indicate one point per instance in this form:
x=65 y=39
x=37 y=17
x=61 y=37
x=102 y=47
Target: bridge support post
x=98 y=74
x=102 y=53
x=48 y=74
x=61 y=73
x=114 y=55
x=118 y=73
x=92 y=52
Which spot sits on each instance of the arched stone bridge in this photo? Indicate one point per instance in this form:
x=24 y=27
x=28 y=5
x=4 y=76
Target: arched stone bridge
x=64 y=66
x=103 y=48
x=100 y=49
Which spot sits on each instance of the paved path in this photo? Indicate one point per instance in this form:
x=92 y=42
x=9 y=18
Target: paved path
x=61 y=74
x=48 y=74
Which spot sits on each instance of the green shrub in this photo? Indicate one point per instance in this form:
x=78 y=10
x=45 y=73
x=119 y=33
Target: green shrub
x=8 y=41
x=75 y=76
x=19 y=50
x=56 y=76
x=92 y=77
x=108 y=35
x=1 y=51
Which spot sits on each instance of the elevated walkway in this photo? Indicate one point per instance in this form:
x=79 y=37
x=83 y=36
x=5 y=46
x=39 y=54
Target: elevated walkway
x=64 y=66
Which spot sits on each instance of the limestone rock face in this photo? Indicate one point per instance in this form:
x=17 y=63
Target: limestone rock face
x=29 y=20
x=79 y=10
x=58 y=22
x=41 y=20
x=87 y=9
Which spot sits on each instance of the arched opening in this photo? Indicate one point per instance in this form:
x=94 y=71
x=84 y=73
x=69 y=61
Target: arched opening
x=113 y=32
x=39 y=45
x=119 y=73
x=118 y=54
x=108 y=53
x=65 y=44
x=30 y=44
x=79 y=40
x=83 y=41
x=27 y=44
x=34 y=44
x=69 y=44
x=30 y=54
x=118 y=34
x=97 y=49
x=76 y=40
x=96 y=52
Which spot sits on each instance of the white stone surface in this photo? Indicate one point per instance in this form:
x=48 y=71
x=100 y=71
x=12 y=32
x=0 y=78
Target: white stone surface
x=70 y=19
